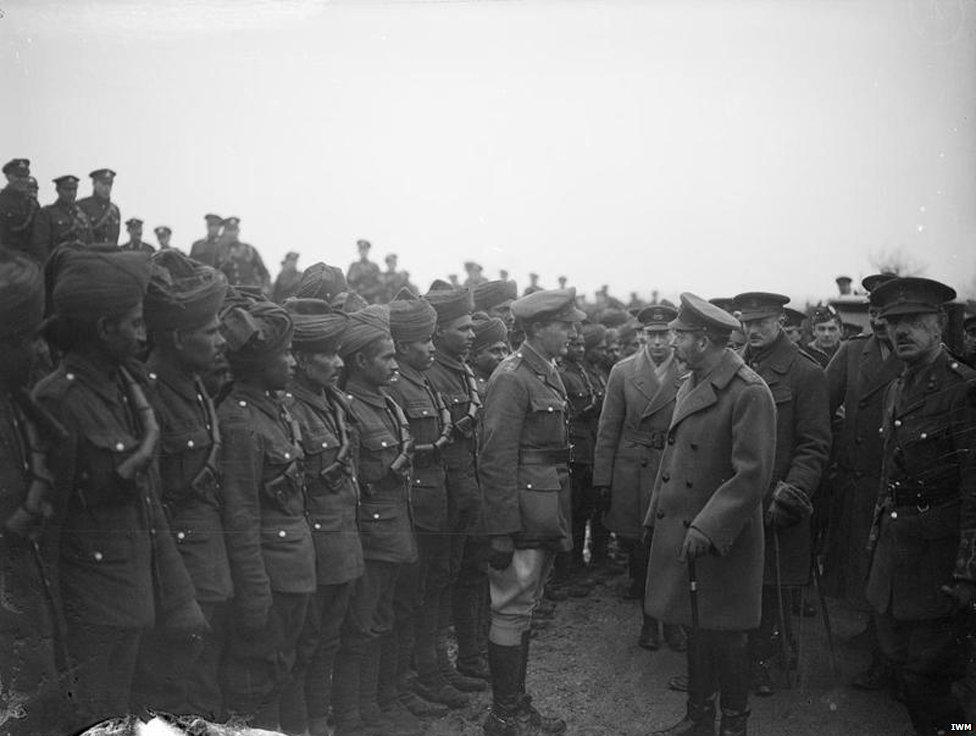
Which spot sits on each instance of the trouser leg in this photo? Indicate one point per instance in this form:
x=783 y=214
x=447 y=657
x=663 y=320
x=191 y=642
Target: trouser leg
x=104 y=662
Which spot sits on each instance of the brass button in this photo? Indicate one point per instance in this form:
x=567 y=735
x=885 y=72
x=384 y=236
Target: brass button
x=152 y=376
x=70 y=376
x=923 y=435
x=189 y=443
x=281 y=533
x=287 y=456
x=376 y=516
x=894 y=514
x=97 y=556
x=317 y=525
x=325 y=444
x=119 y=446
x=383 y=444
x=898 y=422
x=181 y=535
x=242 y=403
x=528 y=485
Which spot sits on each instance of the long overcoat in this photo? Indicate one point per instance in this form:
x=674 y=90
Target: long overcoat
x=857 y=377
x=799 y=390
x=715 y=469
x=630 y=438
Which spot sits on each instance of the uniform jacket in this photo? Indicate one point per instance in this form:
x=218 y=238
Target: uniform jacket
x=118 y=563
x=189 y=468
x=715 y=469
x=243 y=266
x=212 y=252
x=799 y=389
x=269 y=542
x=59 y=223
x=141 y=247
x=104 y=217
x=428 y=484
x=584 y=410
x=333 y=496
x=17 y=214
x=363 y=277
x=632 y=432
x=924 y=533
x=525 y=452
x=385 y=526
x=821 y=356
x=857 y=378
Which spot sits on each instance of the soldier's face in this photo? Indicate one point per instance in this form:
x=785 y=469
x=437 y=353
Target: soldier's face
x=19 y=183
x=915 y=336
x=419 y=355
x=125 y=337
x=213 y=230
x=199 y=349
x=553 y=338
x=597 y=353
x=321 y=369
x=826 y=334
x=631 y=345
x=658 y=344
x=503 y=313
x=487 y=359
x=969 y=340
x=879 y=325
x=456 y=336
x=576 y=349
x=163 y=239
x=135 y=232
x=793 y=334
x=378 y=365
x=278 y=371
x=688 y=347
x=102 y=188
x=613 y=351
x=67 y=193
x=761 y=332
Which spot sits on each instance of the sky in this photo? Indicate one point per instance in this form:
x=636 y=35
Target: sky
x=707 y=146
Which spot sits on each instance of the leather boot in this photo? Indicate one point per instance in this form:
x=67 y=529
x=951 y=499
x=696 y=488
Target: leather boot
x=699 y=720
x=466 y=603
x=545 y=724
x=454 y=678
x=504 y=718
x=762 y=679
x=649 y=637
x=733 y=722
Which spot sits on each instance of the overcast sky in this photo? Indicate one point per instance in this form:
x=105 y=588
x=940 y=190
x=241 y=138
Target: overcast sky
x=714 y=146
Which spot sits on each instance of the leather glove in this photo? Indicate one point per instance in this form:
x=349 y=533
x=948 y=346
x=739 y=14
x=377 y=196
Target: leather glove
x=963 y=595
x=501 y=550
x=696 y=545
x=789 y=507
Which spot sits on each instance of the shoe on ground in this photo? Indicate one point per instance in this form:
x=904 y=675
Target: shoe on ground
x=544 y=724
x=649 y=638
x=440 y=692
x=464 y=683
x=420 y=707
x=678 y=683
x=508 y=724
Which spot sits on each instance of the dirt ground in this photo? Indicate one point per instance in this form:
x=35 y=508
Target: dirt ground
x=588 y=668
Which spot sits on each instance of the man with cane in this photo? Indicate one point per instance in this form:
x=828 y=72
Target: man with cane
x=706 y=513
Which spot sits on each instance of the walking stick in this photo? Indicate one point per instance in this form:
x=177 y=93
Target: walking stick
x=825 y=615
x=784 y=645
x=694 y=678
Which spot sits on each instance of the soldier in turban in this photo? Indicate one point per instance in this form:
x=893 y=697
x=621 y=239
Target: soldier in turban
x=119 y=568
x=269 y=542
x=489 y=348
x=29 y=636
x=183 y=298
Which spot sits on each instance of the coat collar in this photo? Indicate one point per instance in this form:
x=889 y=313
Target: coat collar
x=779 y=357
x=181 y=383
x=98 y=374
x=543 y=368
x=876 y=372
x=667 y=388
x=257 y=397
x=371 y=395
x=644 y=376
x=305 y=395
x=692 y=399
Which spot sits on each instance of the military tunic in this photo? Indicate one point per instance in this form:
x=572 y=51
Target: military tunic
x=212 y=252
x=138 y=246
x=104 y=217
x=56 y=224
x=364 y=278
x=243 y=267
x=17 y=213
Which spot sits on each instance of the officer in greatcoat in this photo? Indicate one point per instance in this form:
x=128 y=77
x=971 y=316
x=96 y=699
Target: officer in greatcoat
x=923 y=540
x=707 y=504
x=210 y=250
x=799 y=390
x=630 y=439
x=525 y=454
x=18 y=209
x=103 y=215
x=60 y=222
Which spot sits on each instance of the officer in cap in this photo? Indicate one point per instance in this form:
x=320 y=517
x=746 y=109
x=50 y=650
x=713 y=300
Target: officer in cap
x=533 y=285
x=630 y=439
x=119 y=567
x=364 y=275
x=843 y=285
x=133 y=226
x=30 y=637
x=178 y=675
x=17 y=207
x=288 y=278
x=101 y=212
x=243 y=265
x=210 y=250
x=60 y=222
x=793 y=325
x=922 y=573
x=269 y=542
x=475 y=274
x=163 y=236
x=709 y=507
x=857 y=377
x=524 y=465
x=799 y=389
x=393 y=280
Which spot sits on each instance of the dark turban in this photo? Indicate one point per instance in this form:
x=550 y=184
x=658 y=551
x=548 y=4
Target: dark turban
x=627 y=331
x=593 y=335
x=183 y=294
x=487 y=331
x=255 y=328
x=318 y=328
x=21 y=295
x=614 y=317
x=412 y=319
x=450 y=304
x=91 y=284
x=320 y=281
x=494 y=294
x=365 y=326
x=348 y=302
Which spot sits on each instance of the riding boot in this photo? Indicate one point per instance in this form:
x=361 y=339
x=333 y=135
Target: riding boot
x=699 y=720
x=733 y=722
x=506 y=668
x=545 y=724
x=649 y=636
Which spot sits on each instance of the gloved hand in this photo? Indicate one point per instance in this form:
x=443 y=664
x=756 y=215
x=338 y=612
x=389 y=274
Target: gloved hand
x=962 y=593
x=501 y=549
x=696 y=545
x=188 y=619
x=789 y=507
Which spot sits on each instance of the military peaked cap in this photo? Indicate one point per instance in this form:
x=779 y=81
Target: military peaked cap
x=103 y=175
x=872 y=282
x=17 y=167
x=758 y=304
x=911 y=295
x=696 y=314
x=548 y=304
x=66 y=180
x=656 y=317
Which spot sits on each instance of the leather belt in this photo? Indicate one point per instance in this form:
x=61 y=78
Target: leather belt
x=554 y=456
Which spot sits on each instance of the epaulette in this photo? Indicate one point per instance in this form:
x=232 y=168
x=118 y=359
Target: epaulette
x=809 y=357
x=959 y=368
x=750 y=376
x=55 y=385
x=511 y=363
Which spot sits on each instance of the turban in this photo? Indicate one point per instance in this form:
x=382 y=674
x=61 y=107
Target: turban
x=494 y=294
x=255 y=329
x=318 y=329
x=614 y=317
x=450 y=304
x=366 y=325
x=348 y=302
x=320 y=281
x=487 y=331
x=593 y=335
x=91 y=284
x=411 y=319
x=21 y=295
x=627 y=331
x=183 y=294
